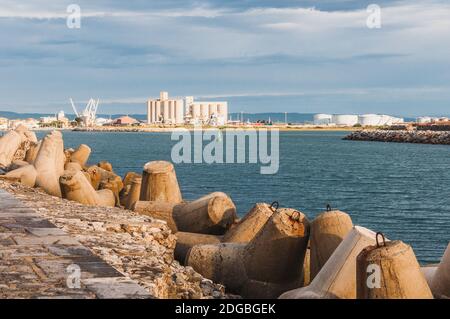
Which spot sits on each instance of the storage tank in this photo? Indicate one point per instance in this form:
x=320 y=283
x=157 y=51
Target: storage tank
x=204 y=111
x=165 y=111
x=222 y=109
x=344 y=119
x=179 y=112
x=424 y=119
x=212 y=109
x=371 y=119
x=322 y=119
x=195 y=110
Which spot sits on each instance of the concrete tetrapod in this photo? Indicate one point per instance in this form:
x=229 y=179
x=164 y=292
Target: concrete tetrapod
x=76 y=187
x=328 y=230
x=158 y=210
x=49 y=163
x=32 y=152
x=337 y=278
x=81 y=155
x=107 y=166
x=390 y=271
x=263 y=268
x=241 y=232
x=99 y=175
x=210 y=214
x=9 y=144
x=440 y=285
x=25 y=174
x=159 y=183
x=133 y=193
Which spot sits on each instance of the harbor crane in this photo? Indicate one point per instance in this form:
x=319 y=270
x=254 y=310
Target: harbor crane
x=89 y=113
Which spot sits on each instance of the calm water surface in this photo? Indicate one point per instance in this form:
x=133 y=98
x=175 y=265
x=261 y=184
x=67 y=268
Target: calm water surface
x=399 y=189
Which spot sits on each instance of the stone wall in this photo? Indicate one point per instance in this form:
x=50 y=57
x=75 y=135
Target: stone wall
x=139 y=247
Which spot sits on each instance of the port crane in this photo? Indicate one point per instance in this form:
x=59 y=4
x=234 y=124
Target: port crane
x=89 y=113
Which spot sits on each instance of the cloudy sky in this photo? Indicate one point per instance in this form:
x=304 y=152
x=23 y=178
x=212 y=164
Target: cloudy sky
x=279 y=55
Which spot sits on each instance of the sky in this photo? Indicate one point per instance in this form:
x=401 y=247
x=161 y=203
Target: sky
x=261 y=56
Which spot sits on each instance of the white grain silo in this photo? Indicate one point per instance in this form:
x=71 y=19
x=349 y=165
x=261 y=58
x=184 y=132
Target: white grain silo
x=212 y=109
x=322 y=119
x=158 y=111
x=165 y=111
x=179 y=112
x=222 y=110
x=195 y=111
x=344 y=119
x=204 y=111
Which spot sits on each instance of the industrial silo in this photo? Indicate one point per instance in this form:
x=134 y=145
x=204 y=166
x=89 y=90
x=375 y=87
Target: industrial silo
x=344 y=119
x=179 y=111
x=212 y=109
x=222 y=110
x=204 y=111
x=322 y=119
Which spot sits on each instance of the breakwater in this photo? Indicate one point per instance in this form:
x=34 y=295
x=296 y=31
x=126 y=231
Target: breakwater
x=421 y=137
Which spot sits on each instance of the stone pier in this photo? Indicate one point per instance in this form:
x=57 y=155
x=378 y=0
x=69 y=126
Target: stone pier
x=39 y=260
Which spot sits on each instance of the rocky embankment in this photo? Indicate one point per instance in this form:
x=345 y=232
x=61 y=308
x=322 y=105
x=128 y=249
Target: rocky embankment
x=422 y=137
x=140 y=247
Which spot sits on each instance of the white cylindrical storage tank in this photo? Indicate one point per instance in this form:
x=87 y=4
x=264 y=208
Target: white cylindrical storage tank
x=222 y=110
x=212 y=109
x=344 y=119
x=370 y=120
x=158 y=111
x=195 y=111
x=165 y=111
x=149 y=112
x=179 y=114
x=172 y=111
x=424 y=119
x=204 y=111
x=322 y=119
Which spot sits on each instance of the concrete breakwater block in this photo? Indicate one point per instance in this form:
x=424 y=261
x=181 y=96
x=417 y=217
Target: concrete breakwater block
x=242 y=231
x=440 y=284
x=263 y=268
x=81 y=155
x=337 y=278
x=9 y=144
x=75 y=186
x=132 y=194
x=26 y=175
x=210 y=214
x=328 y=230
x=159 y=183
x=394 y=273
x=49 y=163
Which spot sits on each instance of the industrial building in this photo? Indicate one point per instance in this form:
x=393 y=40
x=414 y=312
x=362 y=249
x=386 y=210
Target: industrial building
x=165 y=110
x=351 y=119
x=178 y=111
x=203 y=112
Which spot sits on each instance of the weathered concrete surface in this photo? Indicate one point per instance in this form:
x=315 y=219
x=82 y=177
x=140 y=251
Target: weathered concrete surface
x=139 y=247
x=35 y=256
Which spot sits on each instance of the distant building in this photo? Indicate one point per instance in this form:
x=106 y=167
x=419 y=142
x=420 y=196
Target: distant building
x=165 y=110
x=204 y=112
x=29 y=123
x=351 y=119
x=125 y=120
x=3 y=123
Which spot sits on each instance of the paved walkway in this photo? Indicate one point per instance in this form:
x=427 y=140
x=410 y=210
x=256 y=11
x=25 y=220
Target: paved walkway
x=39 y=260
